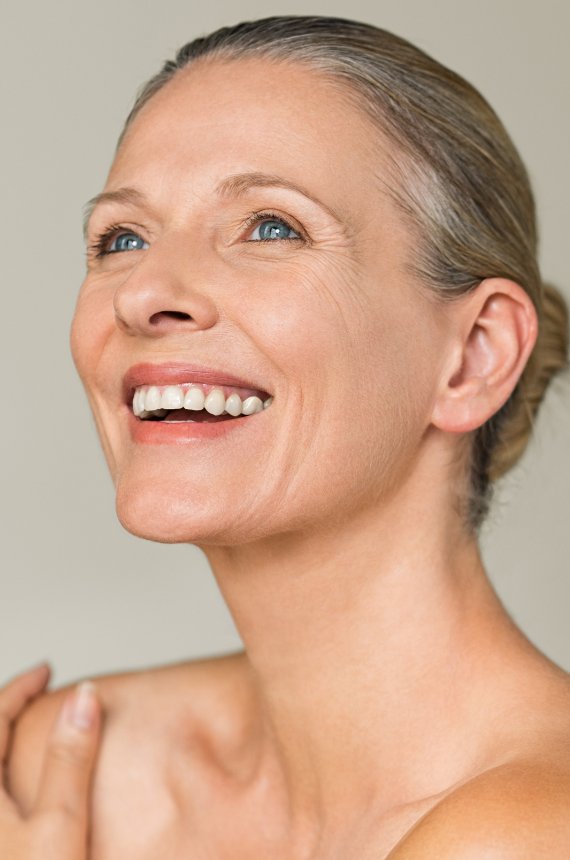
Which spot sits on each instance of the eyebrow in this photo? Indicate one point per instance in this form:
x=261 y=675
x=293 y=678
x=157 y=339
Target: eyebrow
x=232 y=187
x=122 y=195
x=240 y=183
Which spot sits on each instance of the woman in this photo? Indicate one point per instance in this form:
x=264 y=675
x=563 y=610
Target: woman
x=312 y=333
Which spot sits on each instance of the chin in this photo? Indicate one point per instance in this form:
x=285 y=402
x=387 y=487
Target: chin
x=160 y=514
x=178 y=513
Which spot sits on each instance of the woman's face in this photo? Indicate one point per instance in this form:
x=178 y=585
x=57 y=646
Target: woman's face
x=245 y=241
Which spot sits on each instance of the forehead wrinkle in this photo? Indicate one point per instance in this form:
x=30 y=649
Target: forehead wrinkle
x=240 y=183
x=121 y=195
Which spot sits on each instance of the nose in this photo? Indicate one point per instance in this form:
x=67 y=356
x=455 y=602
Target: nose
x=166 y=291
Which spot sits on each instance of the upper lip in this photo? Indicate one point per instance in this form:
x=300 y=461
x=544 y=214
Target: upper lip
x=147 y=373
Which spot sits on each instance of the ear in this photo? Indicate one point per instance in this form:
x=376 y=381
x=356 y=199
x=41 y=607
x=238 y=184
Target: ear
x=494 y=329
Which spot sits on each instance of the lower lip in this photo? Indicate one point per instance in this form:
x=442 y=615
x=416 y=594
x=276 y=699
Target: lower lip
x=159 y=433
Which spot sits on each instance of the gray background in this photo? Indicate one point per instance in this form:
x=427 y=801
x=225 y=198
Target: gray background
x=75 y=588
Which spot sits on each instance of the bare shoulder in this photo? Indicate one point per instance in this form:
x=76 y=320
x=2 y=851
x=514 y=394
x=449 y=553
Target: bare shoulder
x=159 y=703
x=517 y=811
x=517 y=808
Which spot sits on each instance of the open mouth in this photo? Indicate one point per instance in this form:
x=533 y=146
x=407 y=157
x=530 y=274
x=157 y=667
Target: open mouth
x=190 y=403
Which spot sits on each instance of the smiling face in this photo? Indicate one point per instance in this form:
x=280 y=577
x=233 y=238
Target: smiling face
x=243 y=245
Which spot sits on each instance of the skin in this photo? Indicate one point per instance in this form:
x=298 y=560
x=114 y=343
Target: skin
x=385 y=705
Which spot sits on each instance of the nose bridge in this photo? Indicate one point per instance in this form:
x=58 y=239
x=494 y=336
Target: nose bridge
x=169 y=286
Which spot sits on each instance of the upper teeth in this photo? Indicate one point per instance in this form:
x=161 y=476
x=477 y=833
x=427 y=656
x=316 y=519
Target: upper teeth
x=152 y=400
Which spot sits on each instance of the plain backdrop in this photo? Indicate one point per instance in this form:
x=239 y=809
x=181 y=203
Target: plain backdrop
x=75 y=588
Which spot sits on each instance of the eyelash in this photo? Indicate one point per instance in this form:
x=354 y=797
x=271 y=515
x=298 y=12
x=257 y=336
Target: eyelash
x=99 y=247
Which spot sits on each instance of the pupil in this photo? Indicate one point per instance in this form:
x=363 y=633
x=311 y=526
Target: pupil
x=273 y=230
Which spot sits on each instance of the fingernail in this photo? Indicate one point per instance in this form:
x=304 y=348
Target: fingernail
x=83 y=711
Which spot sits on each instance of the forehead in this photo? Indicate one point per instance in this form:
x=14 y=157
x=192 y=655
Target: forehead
x=221 y=118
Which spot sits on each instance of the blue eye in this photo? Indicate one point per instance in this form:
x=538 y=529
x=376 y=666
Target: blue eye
x=127 y=242
x=273 y=230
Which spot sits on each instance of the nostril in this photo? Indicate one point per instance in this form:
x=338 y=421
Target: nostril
x=177 y=315
x=156 y=319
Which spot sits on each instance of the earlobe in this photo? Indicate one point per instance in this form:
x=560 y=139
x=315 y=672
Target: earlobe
x=495 y=330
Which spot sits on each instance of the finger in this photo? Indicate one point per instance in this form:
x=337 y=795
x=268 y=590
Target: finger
x=15 y=695
x=70 y=755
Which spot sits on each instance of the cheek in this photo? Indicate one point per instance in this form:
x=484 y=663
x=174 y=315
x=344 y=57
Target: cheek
x=92 y=327
x=358 y=360
x=307 y=322
x=93 y=323
x=400 y=363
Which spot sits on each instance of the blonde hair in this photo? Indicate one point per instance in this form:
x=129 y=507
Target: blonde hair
x=461 y=183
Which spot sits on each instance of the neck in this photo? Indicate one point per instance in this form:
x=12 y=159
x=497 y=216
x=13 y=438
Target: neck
x=367 y=647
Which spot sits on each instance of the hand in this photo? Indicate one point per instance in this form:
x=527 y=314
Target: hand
x=57 y=826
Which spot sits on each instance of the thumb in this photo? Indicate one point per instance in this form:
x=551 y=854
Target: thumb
x=69 y=759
